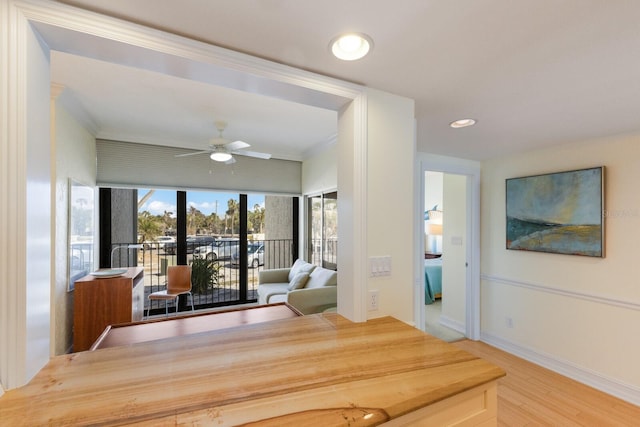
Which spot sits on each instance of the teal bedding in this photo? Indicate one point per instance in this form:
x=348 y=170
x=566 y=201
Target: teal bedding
x=432 y=279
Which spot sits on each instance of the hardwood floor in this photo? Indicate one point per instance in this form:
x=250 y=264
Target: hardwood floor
x=534 y=396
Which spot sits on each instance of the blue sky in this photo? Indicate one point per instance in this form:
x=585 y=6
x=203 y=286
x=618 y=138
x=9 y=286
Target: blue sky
x=205 y=201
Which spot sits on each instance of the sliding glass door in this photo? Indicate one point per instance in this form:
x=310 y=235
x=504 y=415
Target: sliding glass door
x=322 y=230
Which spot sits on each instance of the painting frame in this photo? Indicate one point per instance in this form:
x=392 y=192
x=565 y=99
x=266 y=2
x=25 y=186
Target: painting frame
x=80 y=231
x=558 y=212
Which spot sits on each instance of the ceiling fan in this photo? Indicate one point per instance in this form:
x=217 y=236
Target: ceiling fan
x=222 y=150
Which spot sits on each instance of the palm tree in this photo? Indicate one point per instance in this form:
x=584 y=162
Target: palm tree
x=232 y=207
x=149 y=226
x=258 y=217
x=168 y=221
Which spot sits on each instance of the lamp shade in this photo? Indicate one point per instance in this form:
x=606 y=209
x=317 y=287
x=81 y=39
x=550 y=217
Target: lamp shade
x=433 y=229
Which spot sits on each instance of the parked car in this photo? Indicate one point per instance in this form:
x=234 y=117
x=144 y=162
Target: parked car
x=221 y=249
x=193 y=242
x=158 y=243
x=255 y=256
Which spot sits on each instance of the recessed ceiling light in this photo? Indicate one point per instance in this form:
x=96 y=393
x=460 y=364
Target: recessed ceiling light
x=462 y=123
x=350 y=47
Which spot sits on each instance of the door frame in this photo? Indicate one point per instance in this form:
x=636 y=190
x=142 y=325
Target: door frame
x=470 y=169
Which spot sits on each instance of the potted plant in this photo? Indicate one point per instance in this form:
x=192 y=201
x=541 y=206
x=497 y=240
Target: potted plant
x=204 y=274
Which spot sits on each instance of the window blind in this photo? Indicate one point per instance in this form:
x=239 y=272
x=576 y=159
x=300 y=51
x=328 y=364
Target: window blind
x=134 y=165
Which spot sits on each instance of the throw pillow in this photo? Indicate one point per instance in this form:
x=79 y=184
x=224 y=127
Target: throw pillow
x=298 y=281
x=300 y=266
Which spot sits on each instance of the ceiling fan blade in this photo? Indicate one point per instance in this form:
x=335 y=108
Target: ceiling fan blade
x=236 y=145
x=230 y=161
x=255 y=154
x=192 y=154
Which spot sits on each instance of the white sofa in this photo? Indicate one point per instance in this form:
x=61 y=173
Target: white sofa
x=306 y=287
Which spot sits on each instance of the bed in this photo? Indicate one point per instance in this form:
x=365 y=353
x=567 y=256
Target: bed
x=432 y=279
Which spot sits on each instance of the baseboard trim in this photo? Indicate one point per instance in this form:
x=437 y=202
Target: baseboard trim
x=591 y=378
x=452 y=324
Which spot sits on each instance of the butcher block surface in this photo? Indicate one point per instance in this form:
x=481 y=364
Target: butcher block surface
x=320 y=369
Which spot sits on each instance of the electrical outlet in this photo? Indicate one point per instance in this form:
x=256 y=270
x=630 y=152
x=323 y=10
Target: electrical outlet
x=373 y=300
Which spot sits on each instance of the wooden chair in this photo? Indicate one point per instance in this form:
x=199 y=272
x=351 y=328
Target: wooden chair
x=178 y=283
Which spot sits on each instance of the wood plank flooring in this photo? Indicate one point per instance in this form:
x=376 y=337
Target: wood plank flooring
x=534 y=396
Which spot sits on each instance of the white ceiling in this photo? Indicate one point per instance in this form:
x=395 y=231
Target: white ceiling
x=533 y=73
x=136 y=105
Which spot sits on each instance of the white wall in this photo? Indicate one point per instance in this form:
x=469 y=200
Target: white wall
x=578 y=315
x=390 y=191
x=25 y=201
x=320 y=172
x=433 y=188
x=38 y=213
x=350 y=304
x=75 y=157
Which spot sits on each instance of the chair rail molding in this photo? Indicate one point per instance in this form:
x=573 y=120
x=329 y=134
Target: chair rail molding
x=600 y=299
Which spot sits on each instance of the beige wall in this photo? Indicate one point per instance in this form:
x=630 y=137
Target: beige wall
x=577 y=314
x=390 y=191
x=75 y=157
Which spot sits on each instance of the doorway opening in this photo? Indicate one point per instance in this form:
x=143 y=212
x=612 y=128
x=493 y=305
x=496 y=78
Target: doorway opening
x=445 y=254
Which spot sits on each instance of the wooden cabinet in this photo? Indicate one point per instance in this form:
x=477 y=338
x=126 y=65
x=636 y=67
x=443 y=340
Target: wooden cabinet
x=100 y=302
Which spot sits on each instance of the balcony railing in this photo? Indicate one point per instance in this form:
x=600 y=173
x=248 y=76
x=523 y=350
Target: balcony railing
x=227 y=288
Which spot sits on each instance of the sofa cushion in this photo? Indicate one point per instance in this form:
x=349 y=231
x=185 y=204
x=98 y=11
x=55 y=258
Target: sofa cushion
x=320 y=277
x=278 y=298
x=299 y=281
x=300 y=266
x=268 y=290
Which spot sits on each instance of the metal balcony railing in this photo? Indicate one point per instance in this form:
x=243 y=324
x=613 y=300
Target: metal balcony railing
x=225 y=287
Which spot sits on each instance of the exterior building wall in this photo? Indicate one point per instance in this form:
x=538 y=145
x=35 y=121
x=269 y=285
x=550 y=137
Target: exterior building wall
x=278 y=218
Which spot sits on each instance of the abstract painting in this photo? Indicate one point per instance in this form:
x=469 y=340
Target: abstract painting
x=558 y=212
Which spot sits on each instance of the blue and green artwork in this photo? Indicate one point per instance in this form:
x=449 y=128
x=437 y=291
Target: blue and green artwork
x=558 y=212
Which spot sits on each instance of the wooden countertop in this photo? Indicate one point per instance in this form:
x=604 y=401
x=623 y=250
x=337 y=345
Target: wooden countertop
x=318 y=370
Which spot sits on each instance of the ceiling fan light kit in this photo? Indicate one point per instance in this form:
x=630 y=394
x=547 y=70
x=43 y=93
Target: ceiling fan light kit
x=222 y=150
x=220 y=156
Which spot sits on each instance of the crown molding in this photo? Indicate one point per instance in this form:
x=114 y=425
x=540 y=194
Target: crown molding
x=60 y=94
